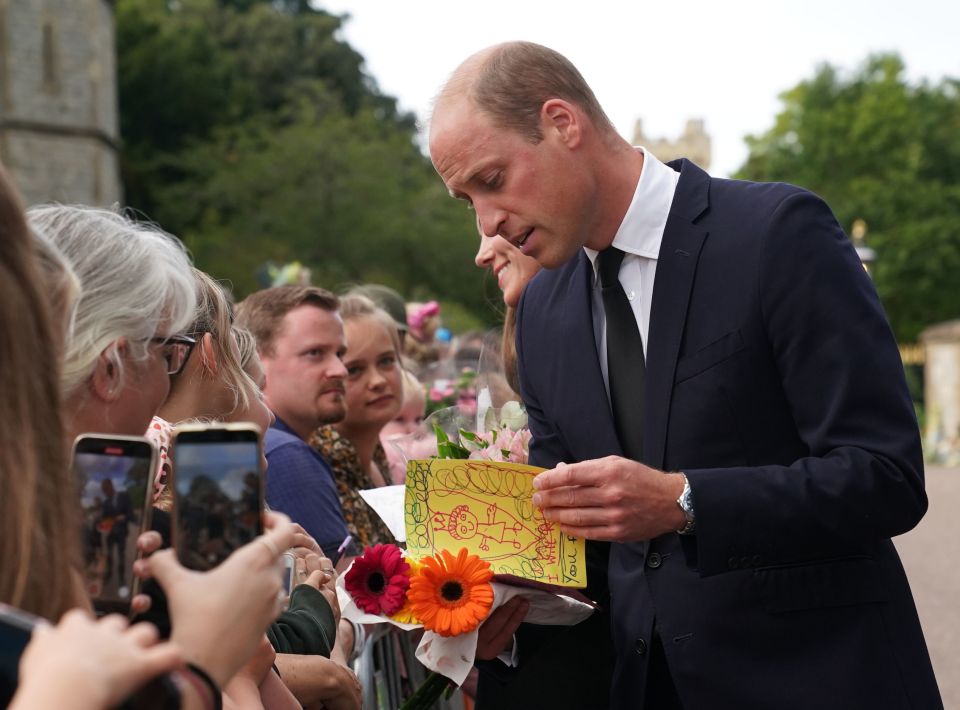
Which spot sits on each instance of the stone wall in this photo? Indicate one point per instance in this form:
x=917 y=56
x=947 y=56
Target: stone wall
x=59 y=133
x=70 y=169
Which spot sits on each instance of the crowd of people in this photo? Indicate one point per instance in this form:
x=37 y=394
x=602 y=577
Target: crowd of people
x=92 y=308
x=136 y=341
x=686 y=358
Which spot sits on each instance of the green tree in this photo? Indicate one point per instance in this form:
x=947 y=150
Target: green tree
x=882 y=149
x=254 y=134
x=354 y=202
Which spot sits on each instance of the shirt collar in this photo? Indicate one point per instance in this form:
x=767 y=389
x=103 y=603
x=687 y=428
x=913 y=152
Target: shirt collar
x=641 y=230
x=278 y=423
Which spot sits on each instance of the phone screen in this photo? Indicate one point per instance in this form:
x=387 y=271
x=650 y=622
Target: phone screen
x=289 y=572
x=115 y=477
x=219 y=493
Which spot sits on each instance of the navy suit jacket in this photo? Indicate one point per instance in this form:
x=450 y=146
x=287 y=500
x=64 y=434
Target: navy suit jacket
x=775 y=383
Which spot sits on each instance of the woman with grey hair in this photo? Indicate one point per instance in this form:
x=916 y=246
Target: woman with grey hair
x=137 y=293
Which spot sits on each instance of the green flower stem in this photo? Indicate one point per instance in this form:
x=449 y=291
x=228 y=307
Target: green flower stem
x=428 y=693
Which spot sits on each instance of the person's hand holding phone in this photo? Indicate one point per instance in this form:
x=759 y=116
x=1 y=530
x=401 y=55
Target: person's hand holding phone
x=220 y=616
x=85 y=663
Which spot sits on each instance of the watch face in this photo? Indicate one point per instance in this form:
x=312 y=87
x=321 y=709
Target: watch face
x=686 y=500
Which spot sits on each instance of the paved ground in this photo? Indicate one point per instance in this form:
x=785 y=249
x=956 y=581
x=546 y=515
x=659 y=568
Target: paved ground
x=931 y=556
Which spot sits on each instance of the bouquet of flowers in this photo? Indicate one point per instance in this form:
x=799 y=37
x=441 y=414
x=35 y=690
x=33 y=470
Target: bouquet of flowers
x=447 y=594
x=501 y=434
x=451 y=592
x=507 y=437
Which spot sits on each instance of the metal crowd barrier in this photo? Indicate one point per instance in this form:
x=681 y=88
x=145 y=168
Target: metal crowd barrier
x=389 y=671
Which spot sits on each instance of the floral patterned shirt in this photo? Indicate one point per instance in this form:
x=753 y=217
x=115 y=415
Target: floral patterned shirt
x=160 y=432
x=364 y=524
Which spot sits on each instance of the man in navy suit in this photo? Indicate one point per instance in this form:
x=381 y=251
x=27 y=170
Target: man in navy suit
x=712 y=380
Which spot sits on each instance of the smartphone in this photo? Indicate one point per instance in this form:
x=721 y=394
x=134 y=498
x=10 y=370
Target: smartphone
x=16 y=628
x=115 y=477
x=218 y=491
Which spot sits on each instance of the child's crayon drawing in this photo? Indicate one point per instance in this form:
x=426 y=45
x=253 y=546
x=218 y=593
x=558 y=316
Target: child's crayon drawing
x=486 y=507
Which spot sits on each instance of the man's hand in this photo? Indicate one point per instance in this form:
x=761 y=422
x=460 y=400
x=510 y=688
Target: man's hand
x=496 y=633
x=610 y=499
x=319 y=682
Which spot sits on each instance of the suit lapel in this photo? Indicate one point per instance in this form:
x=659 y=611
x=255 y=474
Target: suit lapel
x=676 y=269
x=591 y=417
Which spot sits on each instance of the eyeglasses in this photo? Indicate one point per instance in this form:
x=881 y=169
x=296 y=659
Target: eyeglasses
x=176 y=351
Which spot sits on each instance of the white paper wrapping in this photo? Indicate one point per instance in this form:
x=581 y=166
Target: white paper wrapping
x=453 y=656
x=387 y=502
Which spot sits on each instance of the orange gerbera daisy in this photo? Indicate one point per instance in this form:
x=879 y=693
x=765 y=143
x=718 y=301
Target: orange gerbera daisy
x=451 y=595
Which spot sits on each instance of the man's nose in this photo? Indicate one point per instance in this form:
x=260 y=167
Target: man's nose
x=490 y=218
x=337 y=369
x=484 y=257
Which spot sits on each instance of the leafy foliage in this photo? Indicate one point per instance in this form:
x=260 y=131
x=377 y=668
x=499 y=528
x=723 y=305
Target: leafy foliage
x=447 y=449
x=881 y=149
x=253 y=132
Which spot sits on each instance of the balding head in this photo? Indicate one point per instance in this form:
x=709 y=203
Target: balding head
x=519 y=135
x=510 y=82
x=461 y=81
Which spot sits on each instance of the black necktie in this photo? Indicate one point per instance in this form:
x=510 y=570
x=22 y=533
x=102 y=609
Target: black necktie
x=626 y=372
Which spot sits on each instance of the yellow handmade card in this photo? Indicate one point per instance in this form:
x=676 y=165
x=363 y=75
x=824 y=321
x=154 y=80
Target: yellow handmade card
x=486 y=507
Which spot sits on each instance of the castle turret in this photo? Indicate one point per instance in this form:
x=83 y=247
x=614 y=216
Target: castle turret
x=694 y=143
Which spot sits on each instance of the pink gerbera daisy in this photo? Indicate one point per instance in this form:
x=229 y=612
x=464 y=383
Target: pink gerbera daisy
x=378 y=580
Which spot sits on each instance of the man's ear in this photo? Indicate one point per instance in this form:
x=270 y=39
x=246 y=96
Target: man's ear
x=107 y=380
x=562 y=119
x=207 y=357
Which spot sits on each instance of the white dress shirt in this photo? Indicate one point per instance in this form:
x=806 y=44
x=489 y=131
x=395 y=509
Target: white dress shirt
x=639 y=237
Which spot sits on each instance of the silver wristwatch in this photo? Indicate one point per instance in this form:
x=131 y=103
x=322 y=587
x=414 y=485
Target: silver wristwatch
x=685 y=503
